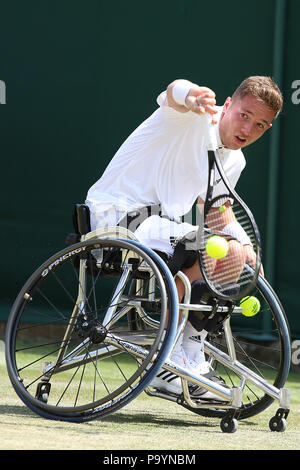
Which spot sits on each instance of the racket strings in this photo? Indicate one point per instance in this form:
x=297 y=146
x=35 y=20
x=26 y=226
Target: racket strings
x=229 y=270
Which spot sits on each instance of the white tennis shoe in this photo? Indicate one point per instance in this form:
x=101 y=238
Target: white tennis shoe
x=166 y=380
x=169 y=382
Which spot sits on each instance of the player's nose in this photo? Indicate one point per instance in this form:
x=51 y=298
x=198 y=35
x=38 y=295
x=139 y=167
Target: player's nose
x=246 y=129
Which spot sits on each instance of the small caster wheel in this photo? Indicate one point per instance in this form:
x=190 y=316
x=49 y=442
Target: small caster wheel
x=229 y=425
x=277 y=424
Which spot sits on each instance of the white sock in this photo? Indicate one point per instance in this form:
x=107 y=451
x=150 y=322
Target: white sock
x=177 y=355
x=192 y=343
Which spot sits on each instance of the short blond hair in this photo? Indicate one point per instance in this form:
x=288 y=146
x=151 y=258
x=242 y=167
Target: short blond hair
x=263 y=88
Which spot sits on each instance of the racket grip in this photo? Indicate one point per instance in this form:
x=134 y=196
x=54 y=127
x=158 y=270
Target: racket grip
x=210 y=132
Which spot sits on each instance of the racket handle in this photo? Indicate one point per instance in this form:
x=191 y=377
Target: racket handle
x=210 y=132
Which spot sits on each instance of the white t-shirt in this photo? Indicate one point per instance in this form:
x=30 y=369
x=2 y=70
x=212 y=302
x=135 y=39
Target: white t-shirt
x=164 y=161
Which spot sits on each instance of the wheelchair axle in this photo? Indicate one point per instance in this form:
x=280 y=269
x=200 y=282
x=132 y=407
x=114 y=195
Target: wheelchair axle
x=93 y=330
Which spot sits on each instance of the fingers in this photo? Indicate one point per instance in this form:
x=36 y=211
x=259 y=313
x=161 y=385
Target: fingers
x=205 y=103
x=206 y=99
x=202 y=103
x=251 y=259
x=205 y=93
x=261 y=271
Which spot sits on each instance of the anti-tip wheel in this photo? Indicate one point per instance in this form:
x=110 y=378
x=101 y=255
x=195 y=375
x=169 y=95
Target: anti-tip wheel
x=278 y=425
x=228 y=425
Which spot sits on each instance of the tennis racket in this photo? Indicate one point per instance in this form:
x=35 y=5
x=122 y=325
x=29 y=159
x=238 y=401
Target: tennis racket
x=227 y=277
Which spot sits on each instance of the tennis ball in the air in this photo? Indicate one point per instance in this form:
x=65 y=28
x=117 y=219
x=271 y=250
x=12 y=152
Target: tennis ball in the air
x=217 y=247
x=250 y=306
x=222 y=209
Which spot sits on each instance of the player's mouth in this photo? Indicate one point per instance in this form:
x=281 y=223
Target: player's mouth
x=240 y=140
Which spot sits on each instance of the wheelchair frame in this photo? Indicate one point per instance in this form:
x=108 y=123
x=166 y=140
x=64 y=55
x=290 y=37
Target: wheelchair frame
x=230 y=398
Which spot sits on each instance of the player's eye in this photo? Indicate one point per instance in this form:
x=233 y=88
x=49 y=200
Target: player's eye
x=243 y=115
x=260 y=125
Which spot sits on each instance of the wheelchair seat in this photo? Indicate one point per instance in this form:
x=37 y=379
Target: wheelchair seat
x=113 y=260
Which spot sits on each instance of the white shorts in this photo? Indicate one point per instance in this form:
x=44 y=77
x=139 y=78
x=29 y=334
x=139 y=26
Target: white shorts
x=162 y=234
x=155 y=232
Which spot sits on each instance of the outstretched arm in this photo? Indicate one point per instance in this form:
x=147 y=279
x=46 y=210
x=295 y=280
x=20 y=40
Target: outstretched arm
x=184 y=96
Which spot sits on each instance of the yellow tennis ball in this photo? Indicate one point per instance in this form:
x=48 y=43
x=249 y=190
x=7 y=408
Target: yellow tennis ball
x=250 y=306
x=217 y=247
x=222 y=209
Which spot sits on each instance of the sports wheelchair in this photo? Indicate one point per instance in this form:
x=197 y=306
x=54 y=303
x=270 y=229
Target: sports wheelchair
x=95 y=323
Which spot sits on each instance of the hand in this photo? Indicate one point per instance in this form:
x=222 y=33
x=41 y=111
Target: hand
x=201 y=100
x=251 y=258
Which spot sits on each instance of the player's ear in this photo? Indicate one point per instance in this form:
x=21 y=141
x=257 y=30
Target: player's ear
x=227 y=103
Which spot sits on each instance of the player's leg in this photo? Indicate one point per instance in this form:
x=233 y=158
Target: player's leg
x=188 y=351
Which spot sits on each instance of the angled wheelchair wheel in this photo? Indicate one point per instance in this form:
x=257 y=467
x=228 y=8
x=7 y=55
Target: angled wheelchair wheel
x=262 y=344
x=70 y=352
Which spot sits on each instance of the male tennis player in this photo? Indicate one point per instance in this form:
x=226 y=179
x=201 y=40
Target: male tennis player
x=162 y=169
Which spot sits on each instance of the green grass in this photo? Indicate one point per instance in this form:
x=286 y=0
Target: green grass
x=146 y=423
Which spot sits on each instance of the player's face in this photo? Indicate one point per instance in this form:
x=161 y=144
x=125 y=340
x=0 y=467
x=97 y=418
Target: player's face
x=243 y=121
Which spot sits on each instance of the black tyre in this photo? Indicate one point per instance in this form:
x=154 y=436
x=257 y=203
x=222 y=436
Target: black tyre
x=229 y=425
x=277 y=425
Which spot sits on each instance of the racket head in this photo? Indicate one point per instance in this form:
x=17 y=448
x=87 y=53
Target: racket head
x=228 y=277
